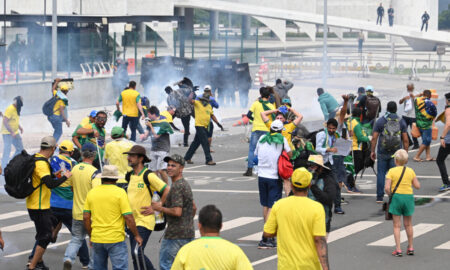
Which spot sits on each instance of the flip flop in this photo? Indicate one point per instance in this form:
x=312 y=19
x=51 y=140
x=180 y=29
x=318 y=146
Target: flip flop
x=418 y=159
x=431 y=159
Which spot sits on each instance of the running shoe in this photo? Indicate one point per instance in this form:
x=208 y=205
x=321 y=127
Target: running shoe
x=444 y=188
x=339 y=211
x=266 y=245
x=343 y=201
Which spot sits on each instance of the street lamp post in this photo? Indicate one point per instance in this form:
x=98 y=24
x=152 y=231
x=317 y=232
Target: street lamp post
x=54 y=39
x=325 y=36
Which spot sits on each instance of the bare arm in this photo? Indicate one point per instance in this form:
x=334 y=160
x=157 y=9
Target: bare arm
x=416 y=183
x=175 y=211
x=165 y=193
x=118 y=105
x=299 y=116
x=139 y=105
x=343 y=109
x=387 y=186
x=265 y=115
x=87 y=222
x=76 y=141
x=373 y=144
x=322 y=251
x=269 y=235
x=194 y=208
x=405 y=141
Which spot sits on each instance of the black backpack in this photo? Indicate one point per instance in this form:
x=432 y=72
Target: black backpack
x=18 y=175
x=391 y=139
x=49 y=105
x=373 y=105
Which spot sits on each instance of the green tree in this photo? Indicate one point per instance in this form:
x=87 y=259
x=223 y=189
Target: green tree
x=444 y=19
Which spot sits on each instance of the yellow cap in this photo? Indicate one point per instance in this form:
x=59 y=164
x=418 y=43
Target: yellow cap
x=301 y=178
x=64 y=87
x=66 y=145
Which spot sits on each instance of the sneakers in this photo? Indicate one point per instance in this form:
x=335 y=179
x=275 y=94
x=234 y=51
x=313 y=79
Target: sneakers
x=189 y=161
x=356 y=190
x=339 y=211
x=249 y=172
x=343 y=201
x=269 y=244
x=444 y=188
x=85 y=267
x=67 y=265
x=211 y=163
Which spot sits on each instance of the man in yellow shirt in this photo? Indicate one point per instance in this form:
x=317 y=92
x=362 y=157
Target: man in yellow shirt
x=38 y=203
x=203 y=113
x=211 y=251
x=10 y=130
x=141 y=186
x=114 y=152
x=105 y=213
x=259 y=127
x=60 y=114
x=299 y=224
x=83 y=175
x=131 y=106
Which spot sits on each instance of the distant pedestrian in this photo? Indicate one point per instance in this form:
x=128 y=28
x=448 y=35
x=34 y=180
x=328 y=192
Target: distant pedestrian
x=328 y=104
x=11 y=130
x=444 y=149
x=131 y=106
x=425 y=19
x=409 y=114
x=299 y=224
x=282 y=88
x=391 y=16
x=105 y=213
x=380 y=14
x=60 y=113
x=361 y=39
x=399 y=183
x=370 y=105
x=425 y=114
x=211 y=251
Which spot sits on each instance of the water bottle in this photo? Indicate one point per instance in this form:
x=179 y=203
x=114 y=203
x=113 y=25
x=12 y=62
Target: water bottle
x=159 y=218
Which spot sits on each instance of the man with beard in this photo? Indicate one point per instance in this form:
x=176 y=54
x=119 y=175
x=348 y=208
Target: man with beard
x=10 y=130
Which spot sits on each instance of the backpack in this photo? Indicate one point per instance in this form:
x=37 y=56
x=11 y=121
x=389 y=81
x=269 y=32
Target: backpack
x=391 y=141
x=372 y=107
x=48 y=106
x=158 y=227
x=285 y=167
x=426 y=108
x=18 y=175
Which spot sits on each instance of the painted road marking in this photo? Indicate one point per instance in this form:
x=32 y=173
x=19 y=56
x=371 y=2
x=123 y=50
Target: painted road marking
x=231 y=224
x=220 y=162
x=444 y=246
x=18 y=227
x=29 y=251
x=419 y=229
x=13 y=214
x=226 y=191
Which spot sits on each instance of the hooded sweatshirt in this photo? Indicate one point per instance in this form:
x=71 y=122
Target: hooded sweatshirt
x=328 y=104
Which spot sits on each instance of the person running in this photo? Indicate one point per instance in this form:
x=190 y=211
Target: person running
x=328 y=104
x=105 y=213
x=11 y=130
x=142 y=183
x=268 y=150
x=179 y=209
x=409 y=114
x=425 y=114
x=299 y=224
x=203 y=114
x=399 y=183
x=114 y=153
x=60 y=113
x=390 y=134
x=380 y=14
x=131 y=106
x=38 y=203
x=259 y=127
x=444 y=149
x=81 y=182
x=214 y=105
x=391 y=16
x=425 y=18
x=211 y=251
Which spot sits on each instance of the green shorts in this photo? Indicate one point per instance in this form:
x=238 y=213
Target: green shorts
x=402 y=205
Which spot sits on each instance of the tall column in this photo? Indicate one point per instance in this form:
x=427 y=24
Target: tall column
x=246 y=24
x=189 y=19
x=142 y=32
x=214 y=24
x=181 y=29
x=54 y=40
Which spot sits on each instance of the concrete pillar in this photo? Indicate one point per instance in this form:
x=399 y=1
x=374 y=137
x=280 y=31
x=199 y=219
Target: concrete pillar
x=246 y=25
x=181 y=29
x=214 y=24
x=142 y=28
x=189 y=19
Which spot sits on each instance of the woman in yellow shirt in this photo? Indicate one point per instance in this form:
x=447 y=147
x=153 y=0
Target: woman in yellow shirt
x=402 y=203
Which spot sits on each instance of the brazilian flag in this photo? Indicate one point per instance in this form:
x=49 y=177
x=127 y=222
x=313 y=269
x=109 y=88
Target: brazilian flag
x=161 y=126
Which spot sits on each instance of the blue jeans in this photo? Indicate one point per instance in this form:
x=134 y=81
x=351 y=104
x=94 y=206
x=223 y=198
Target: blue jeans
x=145 y=234
x=133 y=123
x=77 y=242
x=384 y=163
x=169 y=250
x=254 y=138
x=117 y=253
x=340 y=177
x=426 y=136
x=9 y=140
x=56 y=121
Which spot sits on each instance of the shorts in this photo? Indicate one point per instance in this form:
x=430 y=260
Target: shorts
x=210 y=129
x=157 y=163
x=44 y=222
x=426 y=136
x=402 y=205
x=270 y=191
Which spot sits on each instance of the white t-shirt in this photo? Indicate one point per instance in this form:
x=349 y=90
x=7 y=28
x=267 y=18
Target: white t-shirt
x=268 y=155
x=409 y=104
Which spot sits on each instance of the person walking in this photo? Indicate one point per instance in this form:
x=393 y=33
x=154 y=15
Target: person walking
x=370 y=105
x=425 y=18
x=299 y=224
x=131 y=106
x=425 y=114
x=11 y=130
x=409 y=114
x=211 y=251
x=328 y=104
x=444 y=149
x=105 y=213
x=38 y=203
x=380 y=13
x=142 y=183
x=60 y=113
x=179 y=209
x=259 y=127
x=399 y=183
x=268 y=150
x=214 y=105
x=361 y=39
x=114 y=153
x=81 y=182
x=389 y=135
x=391 y=16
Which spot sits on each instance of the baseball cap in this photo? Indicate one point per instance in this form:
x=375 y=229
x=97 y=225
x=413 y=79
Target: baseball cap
x=301 y=178
x=66 y=145
x=117 y=132
x=93 y=113
x=48 y=141
x=369 y=88
x=276 y=125
x=110 y=172
x=175 y=158
x=88 y=147
x=140 y=151
x=207 y=88
x=361 y=90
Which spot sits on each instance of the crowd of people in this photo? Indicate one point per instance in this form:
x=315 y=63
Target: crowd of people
x=109 y=188
x=380 y=14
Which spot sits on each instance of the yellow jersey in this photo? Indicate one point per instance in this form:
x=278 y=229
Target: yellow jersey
x=256 y=109
x=13 y=120
x=40 y=198
x=59 y=103
x=405 y=186
x=114 y=155
x=130 y=98
x=202 y=114
x=169 y=117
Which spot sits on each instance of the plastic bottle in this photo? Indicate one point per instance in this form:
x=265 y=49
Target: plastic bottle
x=159 y=217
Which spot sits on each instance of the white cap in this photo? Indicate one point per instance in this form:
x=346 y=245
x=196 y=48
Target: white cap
x=277 y=125
x=208 y=87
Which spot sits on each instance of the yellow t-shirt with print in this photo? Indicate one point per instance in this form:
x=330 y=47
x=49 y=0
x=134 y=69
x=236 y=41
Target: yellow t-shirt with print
x=59 y=103
x=139 y=196
x=286 y=132
x=202 y=114
x=81 y=182
x=40 y=198
x=296 y=220
x=169 y=117
x=211 y=253
x=130 y=98
x=13 y=120
x=350 y=126
x=114 y=155
x=107 y=205
x=405 y=186
x=256 y=109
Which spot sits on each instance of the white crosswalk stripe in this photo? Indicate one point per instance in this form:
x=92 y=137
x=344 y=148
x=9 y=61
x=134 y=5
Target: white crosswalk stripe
x=13 y=214
x=231 y=224
x=446 y=245
x=18 y=227
x=419 y=229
